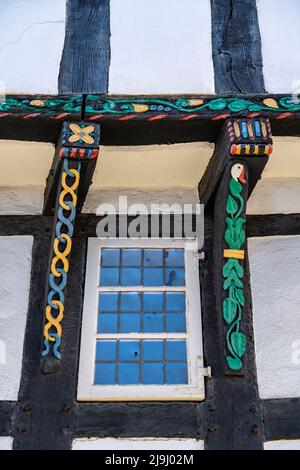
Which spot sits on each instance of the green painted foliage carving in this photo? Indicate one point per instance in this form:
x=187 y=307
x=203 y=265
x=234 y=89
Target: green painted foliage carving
x=233 y=273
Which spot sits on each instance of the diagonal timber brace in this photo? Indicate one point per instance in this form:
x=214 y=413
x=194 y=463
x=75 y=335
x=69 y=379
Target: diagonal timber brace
x=67 y=185
x=241 y=154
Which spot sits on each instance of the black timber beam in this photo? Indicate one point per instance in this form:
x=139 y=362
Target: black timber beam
x=236 y=47
x=241 y=153
x=143 y=120
x=139 y=420
x=67 y=187
x=281 y=418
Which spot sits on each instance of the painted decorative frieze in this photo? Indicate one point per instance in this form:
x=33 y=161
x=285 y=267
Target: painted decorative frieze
x=103 y=107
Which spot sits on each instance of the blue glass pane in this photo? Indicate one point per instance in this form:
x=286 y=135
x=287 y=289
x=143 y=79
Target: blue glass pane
x=130 y=302
x=106 y=350
x=153 y=373
x=153 y=302
x=110 y=257
x=105 y=374
x=175 y=302
x=176 y=373
x=131 y=257
x=175 y=323
x=107 y=323
x=153 y=350
x=129 y=373
x=129 y=350
x=153 y=277
x=108 y=302
x=174 y=257
x=131 y=277
x=153 y=258
x=130 y=323
x=109 y=277
x=153 y=323
x=175 y=277
x=176 y=350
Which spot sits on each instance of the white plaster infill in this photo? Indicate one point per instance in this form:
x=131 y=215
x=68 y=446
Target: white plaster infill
x=6 y=443
x=31 y=44
x=282 y=445
x=280 y=33
x=160 y=47
x=275 y=287
x=137 y=444
x=15 y=269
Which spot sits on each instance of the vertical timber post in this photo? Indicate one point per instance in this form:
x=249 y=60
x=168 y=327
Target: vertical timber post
x=67 y=186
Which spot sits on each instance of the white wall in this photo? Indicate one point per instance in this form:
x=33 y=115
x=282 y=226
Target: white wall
x=6 y=443
x=280 y=32
x=160 y=47
x=282 y=445
x=275 y=285
x=15 y=267
x=137 y=444
x=278 y=191
x=275 y=196
x=31 y=43
x=24 y=167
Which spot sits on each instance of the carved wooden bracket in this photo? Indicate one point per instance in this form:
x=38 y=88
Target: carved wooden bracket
x=67 y=186
x=241 y=153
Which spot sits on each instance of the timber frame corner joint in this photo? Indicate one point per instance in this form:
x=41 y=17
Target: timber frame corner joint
x=67 y=185
x=240 y=156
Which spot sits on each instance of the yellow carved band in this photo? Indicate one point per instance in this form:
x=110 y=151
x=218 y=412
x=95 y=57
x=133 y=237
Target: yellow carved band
x=237 y=254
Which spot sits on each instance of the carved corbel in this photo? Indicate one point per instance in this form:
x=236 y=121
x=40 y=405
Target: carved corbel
x=67 y=186
x=240 y=156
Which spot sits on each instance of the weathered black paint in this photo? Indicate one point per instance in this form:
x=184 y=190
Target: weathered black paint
x=282 y=418
x=140 y=420
x=233 y=418
x=272 y=224
x=86 y=54
x=7 y=409
x=236 y=45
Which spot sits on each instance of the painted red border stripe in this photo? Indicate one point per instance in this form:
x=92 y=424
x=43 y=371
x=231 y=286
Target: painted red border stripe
x=159 y=116
x=33 y=115
x=95 y=117
x=126 y=118
x=190 y=116
x=60 y=116
x=221 y=116
x=4 y=114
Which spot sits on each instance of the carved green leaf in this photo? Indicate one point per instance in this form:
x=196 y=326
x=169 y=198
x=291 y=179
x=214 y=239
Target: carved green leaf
x=217 y=104
x=232 y=280
x=240 y=241
x=233 y=264
x=231 y=205
x=229 y=238
x=234 y=363
x=239 y=293
x=238 y=343
x=238 y=105
x=238 y=226
x=229 y=310
x=235 y=187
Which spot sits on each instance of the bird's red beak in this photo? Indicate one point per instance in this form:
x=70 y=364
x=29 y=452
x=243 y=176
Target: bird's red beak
x=242 y=178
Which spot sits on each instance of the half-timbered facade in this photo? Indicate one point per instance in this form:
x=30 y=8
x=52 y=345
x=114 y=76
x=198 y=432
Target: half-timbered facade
x=149 y=224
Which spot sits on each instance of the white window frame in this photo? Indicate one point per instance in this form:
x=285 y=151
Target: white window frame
x=194 y=390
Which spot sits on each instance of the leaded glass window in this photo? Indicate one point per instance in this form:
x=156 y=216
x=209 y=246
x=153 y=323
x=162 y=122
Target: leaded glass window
x=142 y=313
